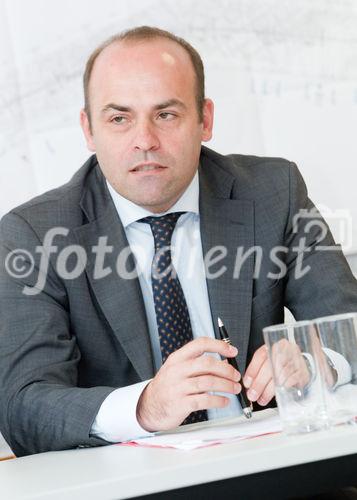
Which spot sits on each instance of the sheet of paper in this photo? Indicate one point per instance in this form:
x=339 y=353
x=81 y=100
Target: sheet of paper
x=213 y=432
x=5 y=451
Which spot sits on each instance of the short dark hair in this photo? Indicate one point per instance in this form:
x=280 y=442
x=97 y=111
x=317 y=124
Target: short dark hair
x=148 y=33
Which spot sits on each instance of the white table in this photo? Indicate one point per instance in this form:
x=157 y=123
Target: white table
x=115 y=472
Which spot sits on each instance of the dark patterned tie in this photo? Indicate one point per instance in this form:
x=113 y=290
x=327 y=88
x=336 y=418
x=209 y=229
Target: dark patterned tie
x=172 y=317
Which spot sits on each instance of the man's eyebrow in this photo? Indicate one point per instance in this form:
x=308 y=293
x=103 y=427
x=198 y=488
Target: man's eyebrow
x=127 y=109
x=116 y=107
x=171 y=102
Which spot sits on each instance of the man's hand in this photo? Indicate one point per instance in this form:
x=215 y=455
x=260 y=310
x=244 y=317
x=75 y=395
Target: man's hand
x=258 y=378
x=182 y=384
x=290 y=366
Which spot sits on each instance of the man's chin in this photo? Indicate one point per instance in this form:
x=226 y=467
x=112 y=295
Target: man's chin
x=158 y=199
x=155 y=204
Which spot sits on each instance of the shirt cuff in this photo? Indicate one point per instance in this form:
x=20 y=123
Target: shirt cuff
x=341 y=365
x=116 y=419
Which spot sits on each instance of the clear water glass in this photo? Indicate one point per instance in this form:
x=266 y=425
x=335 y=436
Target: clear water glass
x=297 y=357
x=338 y=337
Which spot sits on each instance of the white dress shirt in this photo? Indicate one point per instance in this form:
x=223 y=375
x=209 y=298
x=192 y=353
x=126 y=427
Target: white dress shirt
x=116 y=420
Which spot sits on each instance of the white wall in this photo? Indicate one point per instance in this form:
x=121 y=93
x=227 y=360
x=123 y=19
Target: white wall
x=283 y=75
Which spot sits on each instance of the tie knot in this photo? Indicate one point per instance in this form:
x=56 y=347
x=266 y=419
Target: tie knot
x=162 y=227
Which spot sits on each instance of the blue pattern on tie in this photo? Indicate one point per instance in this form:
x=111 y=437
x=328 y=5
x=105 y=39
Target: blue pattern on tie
x=172 y=316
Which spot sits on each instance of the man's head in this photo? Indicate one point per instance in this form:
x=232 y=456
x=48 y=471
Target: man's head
x=145 y=114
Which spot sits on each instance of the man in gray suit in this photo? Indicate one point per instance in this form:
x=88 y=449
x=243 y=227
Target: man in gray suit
x=82 y=361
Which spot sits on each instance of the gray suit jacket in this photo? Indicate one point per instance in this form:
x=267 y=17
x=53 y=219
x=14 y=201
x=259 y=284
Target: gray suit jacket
x=65 y=349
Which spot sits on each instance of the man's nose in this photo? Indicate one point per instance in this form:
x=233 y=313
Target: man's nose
x=146 y=138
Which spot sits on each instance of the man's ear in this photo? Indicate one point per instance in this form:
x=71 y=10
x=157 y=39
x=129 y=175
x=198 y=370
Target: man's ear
x=208 y=112
x=84 y=120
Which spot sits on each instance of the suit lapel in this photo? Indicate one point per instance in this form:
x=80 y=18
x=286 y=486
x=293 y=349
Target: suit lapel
x=227 y=223
x=120 y=299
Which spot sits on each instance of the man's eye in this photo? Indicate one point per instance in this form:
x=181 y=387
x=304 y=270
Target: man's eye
x=167 y=116
x=118 y=119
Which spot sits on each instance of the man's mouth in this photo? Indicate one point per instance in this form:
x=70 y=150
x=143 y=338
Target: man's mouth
x=147 y=167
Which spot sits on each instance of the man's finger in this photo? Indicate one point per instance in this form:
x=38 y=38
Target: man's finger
x=259 y=358
x=268 y=394
x=283 y=372
x=209 y=383
x=300 y=378
x=262 y=379
x=206 y=365
x=197 y=347
x=205 y=401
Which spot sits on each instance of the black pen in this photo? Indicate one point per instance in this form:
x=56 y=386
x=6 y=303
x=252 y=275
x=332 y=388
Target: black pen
x=242 y=396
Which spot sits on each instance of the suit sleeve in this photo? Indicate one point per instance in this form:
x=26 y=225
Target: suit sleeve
x=41 y=407
x=319 y=280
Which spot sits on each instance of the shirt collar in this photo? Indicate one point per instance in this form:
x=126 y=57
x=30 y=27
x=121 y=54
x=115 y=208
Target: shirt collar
x=129 y=212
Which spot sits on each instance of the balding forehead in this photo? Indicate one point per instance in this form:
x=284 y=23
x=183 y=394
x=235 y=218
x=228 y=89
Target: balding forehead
x=129 y=52
x=169 y=50
x=132 y=59
x=168 y=58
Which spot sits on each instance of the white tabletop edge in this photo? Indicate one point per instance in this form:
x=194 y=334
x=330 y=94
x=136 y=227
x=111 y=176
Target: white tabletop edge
x=124 y=472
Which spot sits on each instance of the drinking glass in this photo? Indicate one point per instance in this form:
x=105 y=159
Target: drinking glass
x=338 y=336
x=297 y=357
